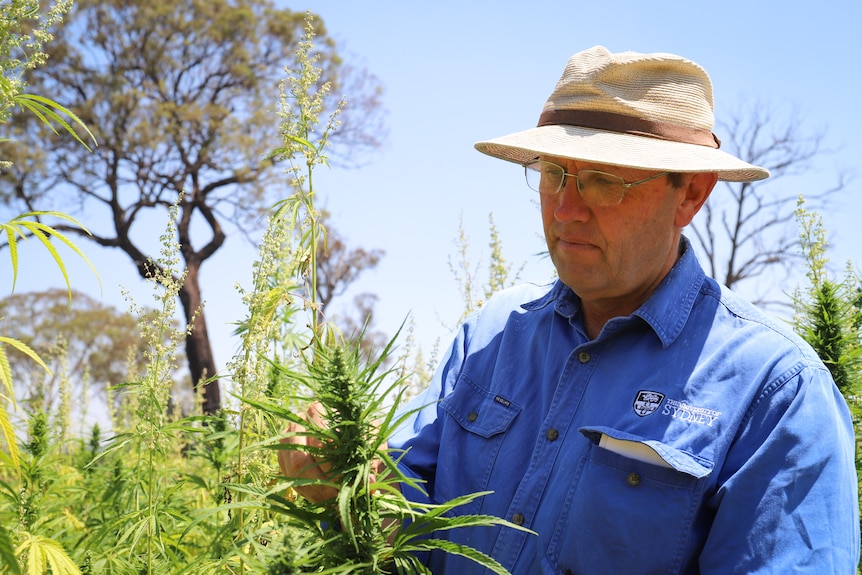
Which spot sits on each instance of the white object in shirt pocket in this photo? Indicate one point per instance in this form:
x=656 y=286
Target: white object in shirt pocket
x=633 y=449
x=648 y=451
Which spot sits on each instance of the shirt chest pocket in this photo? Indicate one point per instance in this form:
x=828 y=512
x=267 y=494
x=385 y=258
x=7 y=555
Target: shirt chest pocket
x=628 y=498
x=471 y=439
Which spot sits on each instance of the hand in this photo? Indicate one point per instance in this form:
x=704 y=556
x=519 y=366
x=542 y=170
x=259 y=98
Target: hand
x=299 y=464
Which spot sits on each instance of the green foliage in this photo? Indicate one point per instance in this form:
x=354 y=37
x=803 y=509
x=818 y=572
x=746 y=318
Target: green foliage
x=301 y=103
x=7 y=391
x=8 y=561
x=828 y=315
x=89 y=345
x=199 y=495
x=500 y=274
x=28 y=224
x=24 y=28
x=35 y=507
x=179 y=95
x=160 y=496
x=51 y=113
x=368 y=526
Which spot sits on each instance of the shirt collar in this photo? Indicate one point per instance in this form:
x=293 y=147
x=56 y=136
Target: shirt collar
x=666 y=311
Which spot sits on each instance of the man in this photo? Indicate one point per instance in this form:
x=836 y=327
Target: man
x=635 y=415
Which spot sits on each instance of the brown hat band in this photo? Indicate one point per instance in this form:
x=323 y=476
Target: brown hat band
x=630 y=125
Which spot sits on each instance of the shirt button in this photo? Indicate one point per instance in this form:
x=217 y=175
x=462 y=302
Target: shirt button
x=518 y=518
x=584 y=356
x=472 y=417
x=552 y=434
x=633 y=479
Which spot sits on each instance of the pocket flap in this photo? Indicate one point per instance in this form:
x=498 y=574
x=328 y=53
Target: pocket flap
x=479 y=411
x=648 y=450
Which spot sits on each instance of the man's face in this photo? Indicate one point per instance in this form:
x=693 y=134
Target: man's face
x=613 y=256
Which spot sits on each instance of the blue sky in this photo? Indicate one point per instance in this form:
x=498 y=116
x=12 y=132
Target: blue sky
x=458 y=72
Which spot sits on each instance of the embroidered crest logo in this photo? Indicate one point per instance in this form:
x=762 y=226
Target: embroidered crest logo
x=647 y=402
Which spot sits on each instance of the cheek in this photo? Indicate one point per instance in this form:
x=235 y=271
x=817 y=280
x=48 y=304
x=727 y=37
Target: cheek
x=547 y=210
x=546 y=206
x=641 y=238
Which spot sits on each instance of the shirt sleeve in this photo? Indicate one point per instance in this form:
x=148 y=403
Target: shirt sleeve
x=417 y=440
x=787 y=499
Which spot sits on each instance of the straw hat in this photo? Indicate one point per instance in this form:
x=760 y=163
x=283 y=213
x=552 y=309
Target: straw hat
x=648 y=111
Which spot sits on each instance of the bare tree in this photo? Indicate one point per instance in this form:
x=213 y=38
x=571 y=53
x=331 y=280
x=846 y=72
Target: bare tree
x=747 y=229
x=181 y=96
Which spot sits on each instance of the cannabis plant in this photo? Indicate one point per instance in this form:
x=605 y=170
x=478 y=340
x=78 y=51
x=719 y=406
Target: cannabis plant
x=829 y=312
x=368 y=526
x=35 y=505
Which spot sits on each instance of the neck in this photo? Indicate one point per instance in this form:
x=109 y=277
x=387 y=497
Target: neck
x=598 y=312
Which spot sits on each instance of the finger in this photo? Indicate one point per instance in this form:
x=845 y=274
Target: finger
x=293 y=460
x=315 y=415
x=307 y=468
x=298 y=463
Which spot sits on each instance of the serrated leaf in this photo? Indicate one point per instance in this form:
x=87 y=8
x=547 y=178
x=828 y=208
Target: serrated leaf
x=57 y=559
x=53 y=233
x=463 y=550
x=43 y=232
x=26 y=350
x=9 y=435
x=42 y=106
x=13 y=253
x=6 y=374
x=8 y=561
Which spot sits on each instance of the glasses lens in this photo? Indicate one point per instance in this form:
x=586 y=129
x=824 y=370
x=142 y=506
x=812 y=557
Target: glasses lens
x=544 y=177
x=601 y=189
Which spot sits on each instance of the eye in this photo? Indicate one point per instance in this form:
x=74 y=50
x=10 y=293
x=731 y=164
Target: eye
x=551 y=171
x=599 y=180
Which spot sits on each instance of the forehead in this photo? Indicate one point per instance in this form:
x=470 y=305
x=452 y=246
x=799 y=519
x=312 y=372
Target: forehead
x=574 y=166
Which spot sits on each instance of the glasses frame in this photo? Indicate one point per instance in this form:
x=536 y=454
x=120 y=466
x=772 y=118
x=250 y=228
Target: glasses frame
x=623 y=184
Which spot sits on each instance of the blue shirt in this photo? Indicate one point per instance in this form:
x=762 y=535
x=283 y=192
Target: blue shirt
x=695 y=436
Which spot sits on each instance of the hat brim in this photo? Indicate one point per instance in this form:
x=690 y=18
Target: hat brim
x=618 y=149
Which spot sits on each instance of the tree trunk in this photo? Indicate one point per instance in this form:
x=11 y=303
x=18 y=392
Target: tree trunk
x=198 y=348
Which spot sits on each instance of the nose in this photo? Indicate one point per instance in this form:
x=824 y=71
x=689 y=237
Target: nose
x=570 y=206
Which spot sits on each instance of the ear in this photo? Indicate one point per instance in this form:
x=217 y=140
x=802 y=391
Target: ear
x=694 y=193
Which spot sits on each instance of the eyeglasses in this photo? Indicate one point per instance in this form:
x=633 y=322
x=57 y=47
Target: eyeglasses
x=596 y=188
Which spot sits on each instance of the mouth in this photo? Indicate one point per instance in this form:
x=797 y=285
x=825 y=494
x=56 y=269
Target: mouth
x=577 y=247
x=576 y=242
